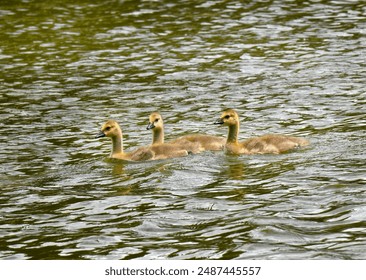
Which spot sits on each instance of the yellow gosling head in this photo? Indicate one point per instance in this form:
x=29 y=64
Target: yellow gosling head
x=228 y=118
x=109 y=129
x=155 y=121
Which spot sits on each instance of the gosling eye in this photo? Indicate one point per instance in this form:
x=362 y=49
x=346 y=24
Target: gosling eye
x=108 y=128
x=156 y=120
x=227 y=117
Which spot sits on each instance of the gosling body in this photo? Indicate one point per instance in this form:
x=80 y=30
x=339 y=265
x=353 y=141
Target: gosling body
x=207 y=142
x=266 y=144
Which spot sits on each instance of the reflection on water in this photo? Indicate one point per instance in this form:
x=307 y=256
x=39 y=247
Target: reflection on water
x=293 y=67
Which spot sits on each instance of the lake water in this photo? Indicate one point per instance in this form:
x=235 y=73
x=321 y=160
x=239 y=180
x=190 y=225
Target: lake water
x=290 y=67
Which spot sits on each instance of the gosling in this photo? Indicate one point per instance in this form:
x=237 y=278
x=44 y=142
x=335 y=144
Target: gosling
x=266 y=144
x=194 y=142
x=112 y=130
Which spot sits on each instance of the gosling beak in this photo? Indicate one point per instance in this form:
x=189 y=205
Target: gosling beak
x=150 y=126
x=100 y=134
x=219 y=121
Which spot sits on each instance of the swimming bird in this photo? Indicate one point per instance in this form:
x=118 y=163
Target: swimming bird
x=193 y=142
x=156 y=124
x=112 y=130
x=266 y=144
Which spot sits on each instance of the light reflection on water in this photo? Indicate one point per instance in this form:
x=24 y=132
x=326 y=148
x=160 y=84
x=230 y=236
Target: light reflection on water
x=287 y=67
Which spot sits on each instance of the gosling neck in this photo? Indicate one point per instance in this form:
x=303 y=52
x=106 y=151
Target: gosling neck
x=232 y=136
x=158 y=136
x=117 y=144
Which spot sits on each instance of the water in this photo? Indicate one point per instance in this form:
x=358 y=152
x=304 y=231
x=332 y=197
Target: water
x=292 y=67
